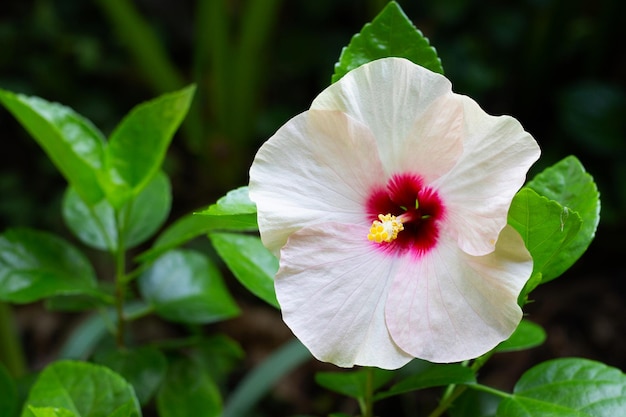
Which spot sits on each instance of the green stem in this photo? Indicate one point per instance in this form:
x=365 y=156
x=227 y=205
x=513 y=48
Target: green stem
x=135 y=315
x=453 y=391
x=481 y=360
x=120 y=294
x=10 y=349
x=368 y=403
x=120 y=277
x=448 y=400
x=460 y=389
x=452 y=387
x=489 y=390
x=136 y=272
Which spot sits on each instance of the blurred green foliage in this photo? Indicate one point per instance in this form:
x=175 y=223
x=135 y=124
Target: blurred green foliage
x=556 y=65
x=553 y=64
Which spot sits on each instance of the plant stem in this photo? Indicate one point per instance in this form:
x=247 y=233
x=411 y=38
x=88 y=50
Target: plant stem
x=448 y=400
x=120 y=294
x=489 y=390
x=120 y=279
x=10 y=349
x=481 y=360
x=454 y=391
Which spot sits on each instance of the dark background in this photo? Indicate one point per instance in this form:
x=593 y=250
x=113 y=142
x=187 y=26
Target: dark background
x=559 y=67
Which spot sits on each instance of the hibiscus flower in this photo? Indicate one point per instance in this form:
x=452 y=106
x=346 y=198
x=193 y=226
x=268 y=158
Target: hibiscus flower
x=387 y=204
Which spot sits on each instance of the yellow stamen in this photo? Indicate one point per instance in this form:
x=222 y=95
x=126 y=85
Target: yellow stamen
x=385 y=229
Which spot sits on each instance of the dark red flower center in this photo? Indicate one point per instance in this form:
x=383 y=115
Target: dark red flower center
x=418 y=207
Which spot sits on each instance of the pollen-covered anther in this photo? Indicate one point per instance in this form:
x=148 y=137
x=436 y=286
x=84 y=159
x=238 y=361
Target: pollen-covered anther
x=385 y=229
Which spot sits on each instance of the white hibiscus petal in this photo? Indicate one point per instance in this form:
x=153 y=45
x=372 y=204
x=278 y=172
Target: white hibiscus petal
x=332 y=285
x=497 y=154
x=406 y=107
x=435 y=142
x=449 y=306
x=319 y=167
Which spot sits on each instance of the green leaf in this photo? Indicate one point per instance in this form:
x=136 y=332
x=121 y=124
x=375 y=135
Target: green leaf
x=390 y=34
x=85 y=389
x=474 y=403
x=144 y=368
x=80 y=302
x=251 y=263
x=433 y=376
x=234 y=211
x=526 y=336
x=124 y=411
x=8 y=399
x=95 y=225
x=547 y=229
x=74 y=145
x=533 y=282
x=568 y=387
x=185 y=286
x=102 y=297
x=354 y=383
x=192 y=226
x=148 y=211
x=50 y=412
x=35 y=265
x=568 y=183
x=235 y=202
x=219 y=355
x=261 y=379
x=187 y=391
x=138 y=144
x=87 y=335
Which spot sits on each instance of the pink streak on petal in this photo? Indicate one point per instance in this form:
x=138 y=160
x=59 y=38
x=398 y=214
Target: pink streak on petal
x=478 y=190
x=317 y=168
x=450 y=306
x=332 y=288
x=411 y=111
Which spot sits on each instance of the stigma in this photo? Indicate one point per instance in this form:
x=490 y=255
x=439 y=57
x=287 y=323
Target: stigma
x=385 y=229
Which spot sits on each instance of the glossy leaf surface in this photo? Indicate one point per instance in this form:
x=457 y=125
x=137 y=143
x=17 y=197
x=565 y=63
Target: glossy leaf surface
x=233 y=212
x=391 y=33
x=567 y=387
x=96 y=225
x=144 y=368
x=50 y=412
x=526 y=336
x=570 y=185
x=74 y=145
x=35 y=265
x=185 y=286
x=85 y=389
x=546 y=227
x=137 y=146
x=251 y=263
x=235 y=202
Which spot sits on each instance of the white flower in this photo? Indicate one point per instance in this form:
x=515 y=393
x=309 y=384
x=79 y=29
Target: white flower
x=387 y=203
